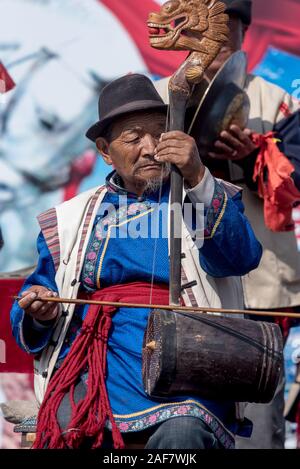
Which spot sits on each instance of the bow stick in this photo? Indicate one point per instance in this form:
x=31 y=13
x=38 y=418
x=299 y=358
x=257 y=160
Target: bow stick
x=199 y=27
x=197 y=309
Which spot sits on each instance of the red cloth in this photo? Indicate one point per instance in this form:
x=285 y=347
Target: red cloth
x=12 y=358
x=133 y=15
x=274 y=24
x=275 y=185
x=88 y=351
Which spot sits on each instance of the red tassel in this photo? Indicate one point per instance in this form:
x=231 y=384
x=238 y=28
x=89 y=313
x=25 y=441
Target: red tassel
x=273 y=173
x=88 y=351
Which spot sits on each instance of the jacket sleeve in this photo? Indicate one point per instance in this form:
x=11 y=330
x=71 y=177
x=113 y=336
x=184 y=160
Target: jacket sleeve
x=230 y=247
x=31 y=335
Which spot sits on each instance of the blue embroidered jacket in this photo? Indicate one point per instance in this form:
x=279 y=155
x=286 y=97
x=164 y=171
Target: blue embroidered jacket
x=230 y=249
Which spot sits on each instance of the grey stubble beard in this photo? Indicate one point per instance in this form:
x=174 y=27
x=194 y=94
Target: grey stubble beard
x=154 y=184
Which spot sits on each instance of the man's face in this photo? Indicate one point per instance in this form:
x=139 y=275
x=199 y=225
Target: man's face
x=236 y=37
x=133 y=140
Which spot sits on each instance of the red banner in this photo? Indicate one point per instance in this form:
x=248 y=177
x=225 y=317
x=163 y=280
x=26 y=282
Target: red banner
x=12 y=358
x=274 y=24
x=133 y=15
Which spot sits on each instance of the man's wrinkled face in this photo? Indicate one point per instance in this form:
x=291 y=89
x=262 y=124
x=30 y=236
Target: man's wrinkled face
x=130 y=148
x=235 y=42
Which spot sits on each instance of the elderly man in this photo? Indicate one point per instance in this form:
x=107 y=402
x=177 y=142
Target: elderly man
x=276 y=283
x=88 y=359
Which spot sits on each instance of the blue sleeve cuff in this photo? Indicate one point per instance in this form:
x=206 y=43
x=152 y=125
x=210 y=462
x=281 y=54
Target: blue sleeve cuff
x=204 y=191
x=29 y=334
x=32 y=339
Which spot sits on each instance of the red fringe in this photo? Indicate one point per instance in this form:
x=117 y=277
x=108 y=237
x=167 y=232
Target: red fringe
x=88 y=351
x=277 y=189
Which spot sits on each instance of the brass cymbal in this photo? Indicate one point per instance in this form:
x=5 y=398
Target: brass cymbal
x=223 y=102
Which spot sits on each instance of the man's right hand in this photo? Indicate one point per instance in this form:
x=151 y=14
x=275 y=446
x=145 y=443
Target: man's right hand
x=37 y=309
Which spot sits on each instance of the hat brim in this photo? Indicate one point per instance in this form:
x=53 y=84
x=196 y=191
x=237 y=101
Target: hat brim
x=97 y=129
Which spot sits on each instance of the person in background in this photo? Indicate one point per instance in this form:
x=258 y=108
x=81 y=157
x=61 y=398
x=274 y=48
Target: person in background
x=275 y=284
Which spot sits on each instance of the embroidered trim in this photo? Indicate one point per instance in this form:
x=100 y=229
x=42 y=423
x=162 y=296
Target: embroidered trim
x=28 y=425
x=86 y=226
x=107 y=240
x=216 y=211
x=114 y=184
x=89 y=276
x=220 y=216
x=166 y=411
x=184 y=408
x=48 y=224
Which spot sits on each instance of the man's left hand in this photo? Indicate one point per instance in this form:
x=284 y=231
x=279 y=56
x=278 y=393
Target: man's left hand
x=234 y=144
x=181 y=150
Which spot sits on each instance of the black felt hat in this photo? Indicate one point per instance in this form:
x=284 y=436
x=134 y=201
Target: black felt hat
x=127 y=94
x=241 y=8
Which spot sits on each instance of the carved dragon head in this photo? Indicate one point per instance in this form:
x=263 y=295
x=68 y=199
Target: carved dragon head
x=183 y=24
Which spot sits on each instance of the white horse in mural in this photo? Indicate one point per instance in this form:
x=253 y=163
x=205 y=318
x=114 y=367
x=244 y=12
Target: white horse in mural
x=59 y=54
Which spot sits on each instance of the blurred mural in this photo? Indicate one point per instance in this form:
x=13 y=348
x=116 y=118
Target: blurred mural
x=60 y=54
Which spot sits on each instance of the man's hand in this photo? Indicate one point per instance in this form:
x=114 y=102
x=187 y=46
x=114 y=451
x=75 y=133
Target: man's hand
x=37 y=309
x=234 y=144
x=181 y=150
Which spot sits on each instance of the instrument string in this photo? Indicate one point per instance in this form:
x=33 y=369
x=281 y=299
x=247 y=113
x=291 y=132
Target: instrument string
x=229 y=330
x=158 y=217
